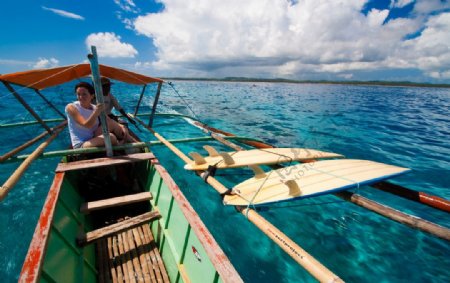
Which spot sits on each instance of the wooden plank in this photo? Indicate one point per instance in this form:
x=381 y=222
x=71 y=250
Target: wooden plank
x=127 y=256
x=120 y=263
x=152 y=255
x=105 y=161
x=136 y=245
x=116 y=201
x=156 y=257
x=134 y=256
x=114 y=255
x=148 y=260
x=121 y=255
x=89 y=237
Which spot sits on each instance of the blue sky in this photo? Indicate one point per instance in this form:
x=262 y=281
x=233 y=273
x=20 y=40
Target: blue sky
x=298 y=39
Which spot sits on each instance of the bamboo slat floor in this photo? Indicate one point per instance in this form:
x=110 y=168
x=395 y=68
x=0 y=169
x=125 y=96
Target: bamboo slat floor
x=130 y=256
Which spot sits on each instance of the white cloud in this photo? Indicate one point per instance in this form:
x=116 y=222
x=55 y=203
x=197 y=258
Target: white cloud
x=400 y=3
x=109 y=45
x=290 y=38
x=126 y=21
x=64 y=13
x=43 y=63
x=431 y=50
x=430 y=6
x=127 y=6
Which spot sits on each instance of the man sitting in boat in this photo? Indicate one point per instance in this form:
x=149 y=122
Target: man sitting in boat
x=83 y=121
x=111 y=102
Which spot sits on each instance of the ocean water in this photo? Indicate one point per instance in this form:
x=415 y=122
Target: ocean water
x=402 y=126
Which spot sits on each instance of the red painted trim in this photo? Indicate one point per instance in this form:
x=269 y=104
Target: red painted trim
x=218 y=258
x=34 y=259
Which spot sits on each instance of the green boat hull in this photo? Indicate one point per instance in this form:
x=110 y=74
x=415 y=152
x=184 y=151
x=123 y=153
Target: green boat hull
x=188 y=250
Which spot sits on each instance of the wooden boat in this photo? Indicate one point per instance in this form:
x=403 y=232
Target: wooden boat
x=121 y=217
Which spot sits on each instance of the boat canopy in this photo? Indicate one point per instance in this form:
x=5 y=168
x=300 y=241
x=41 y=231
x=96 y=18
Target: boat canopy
x=44 y=78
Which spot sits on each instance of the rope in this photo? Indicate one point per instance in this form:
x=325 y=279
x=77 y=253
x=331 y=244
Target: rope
x=279 y=154
x=257 y=192
x=185 y=102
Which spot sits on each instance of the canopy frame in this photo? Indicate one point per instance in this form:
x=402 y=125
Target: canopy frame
x=27 y=107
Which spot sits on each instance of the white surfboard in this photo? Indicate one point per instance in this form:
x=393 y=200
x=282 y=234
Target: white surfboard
x=310 y=179
x=243 y=158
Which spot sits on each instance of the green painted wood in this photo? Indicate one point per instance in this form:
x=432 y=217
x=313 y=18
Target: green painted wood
x=174 y=237
x=64 y=260
x=28 y=123
x=59 y=153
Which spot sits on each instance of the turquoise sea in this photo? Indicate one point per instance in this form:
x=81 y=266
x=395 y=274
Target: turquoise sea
x=405 y=126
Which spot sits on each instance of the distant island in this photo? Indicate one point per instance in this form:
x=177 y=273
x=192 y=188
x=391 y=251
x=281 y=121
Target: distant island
x=279 y=80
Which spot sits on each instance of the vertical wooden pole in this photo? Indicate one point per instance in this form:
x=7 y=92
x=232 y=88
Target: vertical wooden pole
x=93 y=59
x=139 y=101
x=155 y=103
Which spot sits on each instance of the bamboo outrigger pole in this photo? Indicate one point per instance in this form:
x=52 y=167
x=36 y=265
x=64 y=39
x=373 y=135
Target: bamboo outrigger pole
x=314 y=267
x=420 y=197
x=14 y=178
x=386 y=211
x=412 y=221
x=28 y=143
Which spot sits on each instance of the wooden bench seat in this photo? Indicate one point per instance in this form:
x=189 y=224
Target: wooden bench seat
x=116 y=201
x=105 y=161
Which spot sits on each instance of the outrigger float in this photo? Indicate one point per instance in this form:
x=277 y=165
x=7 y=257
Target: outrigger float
x=113 y=216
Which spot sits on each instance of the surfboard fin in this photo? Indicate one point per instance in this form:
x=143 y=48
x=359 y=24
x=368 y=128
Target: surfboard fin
x=294 y=189
x=198 y=159
x=227 y=158
x=211 y=151
x=259 y=173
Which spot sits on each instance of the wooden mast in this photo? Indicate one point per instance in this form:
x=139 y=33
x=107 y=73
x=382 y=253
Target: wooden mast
x=99 y=95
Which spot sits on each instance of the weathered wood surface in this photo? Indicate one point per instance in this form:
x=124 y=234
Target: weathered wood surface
x=116 y=201
x=131 y=256
x=106 y=161
x=89 y=237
